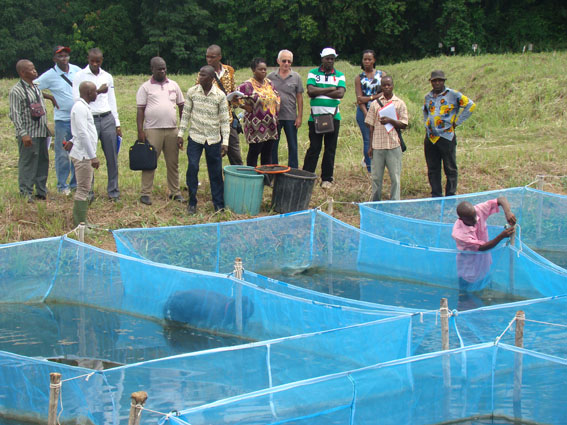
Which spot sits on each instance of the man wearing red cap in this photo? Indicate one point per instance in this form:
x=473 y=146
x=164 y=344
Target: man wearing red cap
x=59 y=81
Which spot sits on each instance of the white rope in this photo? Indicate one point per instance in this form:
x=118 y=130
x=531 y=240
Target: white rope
x=88 y=376
x=60 y=385
x=546 y=323
x=505 y=330
x=336 y=202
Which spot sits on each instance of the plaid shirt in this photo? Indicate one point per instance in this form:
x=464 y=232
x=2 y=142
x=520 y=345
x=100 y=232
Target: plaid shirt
x=20 y=113
x=226 y=77
x=207 y=114
x=381 y=138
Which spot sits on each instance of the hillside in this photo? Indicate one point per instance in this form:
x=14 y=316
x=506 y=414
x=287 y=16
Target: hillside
x=516 y=133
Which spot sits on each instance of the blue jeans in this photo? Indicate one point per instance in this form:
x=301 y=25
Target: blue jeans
x=365 y=136
x=291 y=136
x=63 y=165
x=214 y=167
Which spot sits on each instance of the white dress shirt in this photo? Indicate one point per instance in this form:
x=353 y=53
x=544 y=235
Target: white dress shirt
x=104 y=102
x=84 y=133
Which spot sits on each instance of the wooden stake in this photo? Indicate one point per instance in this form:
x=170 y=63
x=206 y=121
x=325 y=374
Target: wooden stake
x=54 y=391
x=330 y=209
x=540 y=180
x=520 y=320
x=82 y=232
x=444 y=313
x=518 y=365
x=238 y=269
x=138 y=400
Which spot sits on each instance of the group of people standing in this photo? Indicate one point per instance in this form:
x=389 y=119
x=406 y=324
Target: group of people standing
x=85 y=111
x=443 y=110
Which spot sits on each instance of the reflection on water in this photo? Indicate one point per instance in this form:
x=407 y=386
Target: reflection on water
x=86 y=336
x=557 y=257
x=381 y=290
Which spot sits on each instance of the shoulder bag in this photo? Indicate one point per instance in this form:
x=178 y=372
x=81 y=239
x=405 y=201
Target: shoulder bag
x=324 y=123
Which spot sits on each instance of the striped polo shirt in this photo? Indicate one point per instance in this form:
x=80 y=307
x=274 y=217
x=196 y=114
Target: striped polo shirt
x=20 y=113
x=324 y=104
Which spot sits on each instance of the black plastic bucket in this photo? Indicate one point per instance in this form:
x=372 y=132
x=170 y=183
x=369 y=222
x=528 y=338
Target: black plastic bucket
x=292 y=190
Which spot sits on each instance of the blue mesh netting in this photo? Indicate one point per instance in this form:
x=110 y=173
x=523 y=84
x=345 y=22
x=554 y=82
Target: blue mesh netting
x=329 y=324
x=476 y=382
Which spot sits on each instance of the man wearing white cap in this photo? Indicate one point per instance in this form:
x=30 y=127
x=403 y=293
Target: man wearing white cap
x=326 y=87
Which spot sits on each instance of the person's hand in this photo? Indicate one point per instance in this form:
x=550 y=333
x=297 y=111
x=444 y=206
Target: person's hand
x=180 y=143
x=386 y=120
x=67 y=146
x=141 y=135
x=511 y=218
x=223 y=150
x=95 y=163
x=54 y=102
x=370 y=152
x=506 y=233
x=118 y=131
x=102 y=89
x=247 y=107
x=27 y=141
x=297 y=122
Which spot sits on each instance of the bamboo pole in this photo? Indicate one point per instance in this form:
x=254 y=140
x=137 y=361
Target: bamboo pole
x=54 y=391
x=444 y=313
x=520 y=321
x=238 y=269
x=511 y=270
x=540 y=180
x=518 y=365
x=82 y=231
x=138 y=400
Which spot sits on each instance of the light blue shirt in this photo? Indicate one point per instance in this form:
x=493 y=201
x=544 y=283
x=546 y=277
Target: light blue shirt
x=60 y=89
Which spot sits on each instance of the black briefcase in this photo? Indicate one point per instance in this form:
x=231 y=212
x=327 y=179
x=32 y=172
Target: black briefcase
x=143 y=156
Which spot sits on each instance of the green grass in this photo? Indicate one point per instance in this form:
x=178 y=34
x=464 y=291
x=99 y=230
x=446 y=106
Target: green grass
x=516 y=133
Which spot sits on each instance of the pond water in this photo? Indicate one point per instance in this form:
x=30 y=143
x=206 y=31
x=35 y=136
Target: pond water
x=77 y=335
x=381 y=290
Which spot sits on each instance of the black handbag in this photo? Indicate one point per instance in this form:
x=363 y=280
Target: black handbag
x=143 y=156
x=324 y=123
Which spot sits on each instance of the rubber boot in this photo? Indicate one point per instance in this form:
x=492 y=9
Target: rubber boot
x=80 y=209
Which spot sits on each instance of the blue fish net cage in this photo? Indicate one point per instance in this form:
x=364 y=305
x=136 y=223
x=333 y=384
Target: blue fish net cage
x=327 y=323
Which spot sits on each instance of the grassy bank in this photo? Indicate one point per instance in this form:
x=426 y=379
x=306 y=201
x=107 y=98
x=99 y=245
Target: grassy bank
x=516 y=133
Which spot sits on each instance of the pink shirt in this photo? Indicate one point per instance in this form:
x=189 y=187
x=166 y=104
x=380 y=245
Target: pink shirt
x=474 y=267
x=470 y=238
x=160 y=100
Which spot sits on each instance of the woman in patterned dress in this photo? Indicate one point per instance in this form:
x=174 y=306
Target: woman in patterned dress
x=261 y=103
x=367 y=86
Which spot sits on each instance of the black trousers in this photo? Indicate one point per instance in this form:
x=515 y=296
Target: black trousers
x=443 y=152
x=315 y=144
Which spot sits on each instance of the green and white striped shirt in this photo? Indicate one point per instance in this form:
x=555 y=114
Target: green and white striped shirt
x=20 y=113
x=206 y=114
x=324 y=104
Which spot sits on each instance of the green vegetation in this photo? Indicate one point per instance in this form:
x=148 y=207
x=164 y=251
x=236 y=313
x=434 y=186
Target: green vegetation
x=516 y=133
x=130 y=32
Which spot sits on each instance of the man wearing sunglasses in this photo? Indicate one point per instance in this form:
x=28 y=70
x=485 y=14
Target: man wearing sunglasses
x=290 y=87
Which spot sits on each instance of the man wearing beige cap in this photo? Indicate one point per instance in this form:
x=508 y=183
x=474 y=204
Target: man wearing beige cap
x=443 y=110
